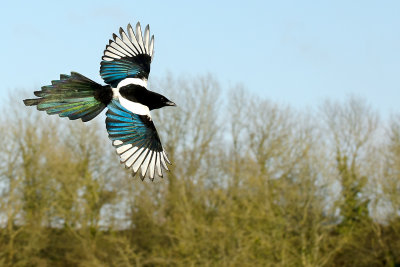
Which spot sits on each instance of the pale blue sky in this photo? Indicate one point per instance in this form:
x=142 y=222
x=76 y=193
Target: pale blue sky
x=294 y=52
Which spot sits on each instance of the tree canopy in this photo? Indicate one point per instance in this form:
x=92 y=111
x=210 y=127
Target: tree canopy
x=253 y=183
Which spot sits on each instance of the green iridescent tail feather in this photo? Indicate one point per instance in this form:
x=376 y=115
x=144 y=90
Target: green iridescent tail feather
x=73 y=96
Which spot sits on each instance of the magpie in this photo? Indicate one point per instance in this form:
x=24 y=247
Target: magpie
x=125 y=69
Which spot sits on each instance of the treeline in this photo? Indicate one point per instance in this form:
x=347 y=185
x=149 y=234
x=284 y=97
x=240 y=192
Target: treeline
x=253 y=184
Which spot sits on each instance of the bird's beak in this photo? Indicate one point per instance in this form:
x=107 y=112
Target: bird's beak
x=170 y=103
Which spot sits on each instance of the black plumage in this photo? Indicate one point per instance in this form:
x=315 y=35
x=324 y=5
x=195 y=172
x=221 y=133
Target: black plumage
x=140 y=94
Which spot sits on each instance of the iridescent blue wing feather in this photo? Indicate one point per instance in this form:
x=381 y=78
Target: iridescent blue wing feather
x=136 y=141
x=127 y=56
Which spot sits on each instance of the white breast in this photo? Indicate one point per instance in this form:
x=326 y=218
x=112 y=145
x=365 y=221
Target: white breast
x=134 y=107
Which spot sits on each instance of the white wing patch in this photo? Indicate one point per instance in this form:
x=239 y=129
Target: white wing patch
x=117 y=143
x=145 y=160
x=123 y=148
x=146 y=39
x=131 y=44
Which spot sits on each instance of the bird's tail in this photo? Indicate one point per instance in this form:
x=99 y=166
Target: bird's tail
x=73 y=96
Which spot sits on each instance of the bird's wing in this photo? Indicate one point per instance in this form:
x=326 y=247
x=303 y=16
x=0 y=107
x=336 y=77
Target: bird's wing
x=136 y=141
x=127 y=56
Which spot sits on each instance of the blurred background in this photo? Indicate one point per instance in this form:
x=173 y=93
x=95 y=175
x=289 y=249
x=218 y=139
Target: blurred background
x=285 y=143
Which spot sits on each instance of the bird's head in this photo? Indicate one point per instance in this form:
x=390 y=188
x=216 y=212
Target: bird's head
x=160 y=101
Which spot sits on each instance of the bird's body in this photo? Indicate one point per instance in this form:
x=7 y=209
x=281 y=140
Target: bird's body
x=125 y=67
x=132 y=93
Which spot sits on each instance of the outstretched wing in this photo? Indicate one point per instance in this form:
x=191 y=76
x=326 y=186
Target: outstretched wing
x=136 y=141
x=127 y=56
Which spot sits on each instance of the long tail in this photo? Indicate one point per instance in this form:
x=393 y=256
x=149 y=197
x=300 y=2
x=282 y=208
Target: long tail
x=73 y=96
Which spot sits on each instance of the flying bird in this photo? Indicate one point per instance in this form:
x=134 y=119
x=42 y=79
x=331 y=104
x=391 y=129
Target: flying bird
x=125 y=69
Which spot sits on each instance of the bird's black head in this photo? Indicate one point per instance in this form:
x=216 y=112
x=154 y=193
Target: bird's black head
x=159 y=101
